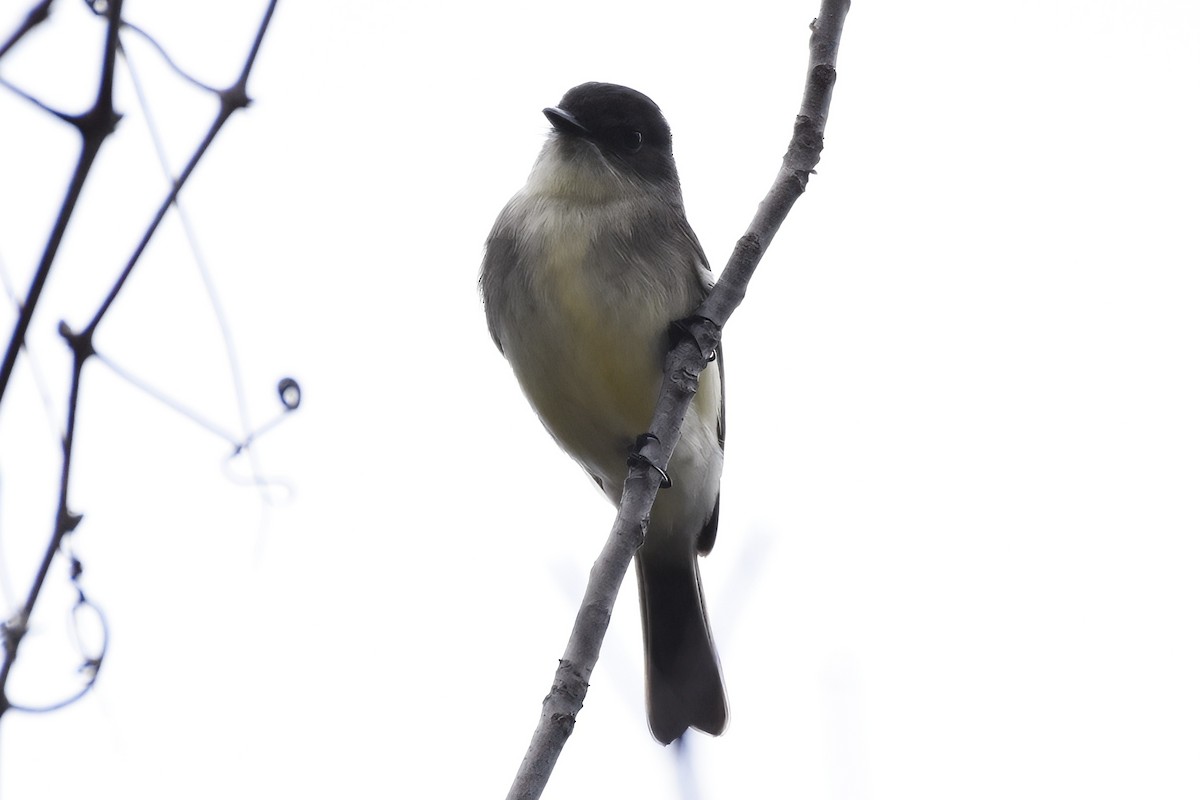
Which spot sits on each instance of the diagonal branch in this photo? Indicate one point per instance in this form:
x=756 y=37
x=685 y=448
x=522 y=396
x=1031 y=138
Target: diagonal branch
x=232 y=99
x=94 y=126
x=36 y=16
x=684 y=363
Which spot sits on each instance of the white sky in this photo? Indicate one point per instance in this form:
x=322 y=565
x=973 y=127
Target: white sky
x=960 y=529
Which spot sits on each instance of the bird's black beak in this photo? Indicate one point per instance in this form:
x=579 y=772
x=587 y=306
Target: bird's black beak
x=564 y=122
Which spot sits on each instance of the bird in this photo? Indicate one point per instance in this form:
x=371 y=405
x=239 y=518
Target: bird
x=583 y=273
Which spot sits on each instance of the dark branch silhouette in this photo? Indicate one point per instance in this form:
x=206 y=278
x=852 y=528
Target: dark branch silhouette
x=36 y=16
x=684 y=363
x=94 y=126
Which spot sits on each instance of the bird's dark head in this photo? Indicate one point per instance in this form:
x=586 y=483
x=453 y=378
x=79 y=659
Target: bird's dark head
x=625 y=126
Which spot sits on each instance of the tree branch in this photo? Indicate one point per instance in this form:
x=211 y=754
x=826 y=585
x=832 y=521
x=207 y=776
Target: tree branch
x=95 y=125
x=36 y=16
x=684 y=363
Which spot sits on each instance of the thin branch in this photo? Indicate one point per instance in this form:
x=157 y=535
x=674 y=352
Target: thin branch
x=232 y=98
x=194 y=243
x=36 y=16
x=170 y=62
x=33 y=101
x=681 y=377
x=65 y=520
x=94 y=125
x=101 y=117
x=168 y=401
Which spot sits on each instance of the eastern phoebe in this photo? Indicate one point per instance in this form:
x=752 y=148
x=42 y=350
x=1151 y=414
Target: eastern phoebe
x=584 y=271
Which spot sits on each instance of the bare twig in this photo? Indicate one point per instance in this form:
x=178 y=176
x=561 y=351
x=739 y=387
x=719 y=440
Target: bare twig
x=95 y=125
x=166 y=57
x=684 y=363
x=232 y=98
x=36 y=16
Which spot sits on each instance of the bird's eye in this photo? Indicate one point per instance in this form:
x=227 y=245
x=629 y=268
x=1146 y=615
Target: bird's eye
x=632 y=140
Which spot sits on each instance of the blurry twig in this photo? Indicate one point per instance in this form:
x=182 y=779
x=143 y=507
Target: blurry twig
x=205 y=274
x=36 y=16
x=94 y=126
x=170 y=62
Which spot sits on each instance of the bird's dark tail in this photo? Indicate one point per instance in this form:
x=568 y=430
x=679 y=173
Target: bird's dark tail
x=683 y=678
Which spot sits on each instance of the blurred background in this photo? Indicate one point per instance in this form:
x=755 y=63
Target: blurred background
x=961 y=517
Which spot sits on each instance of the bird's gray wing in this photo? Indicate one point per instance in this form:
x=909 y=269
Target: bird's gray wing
x=500 y=260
